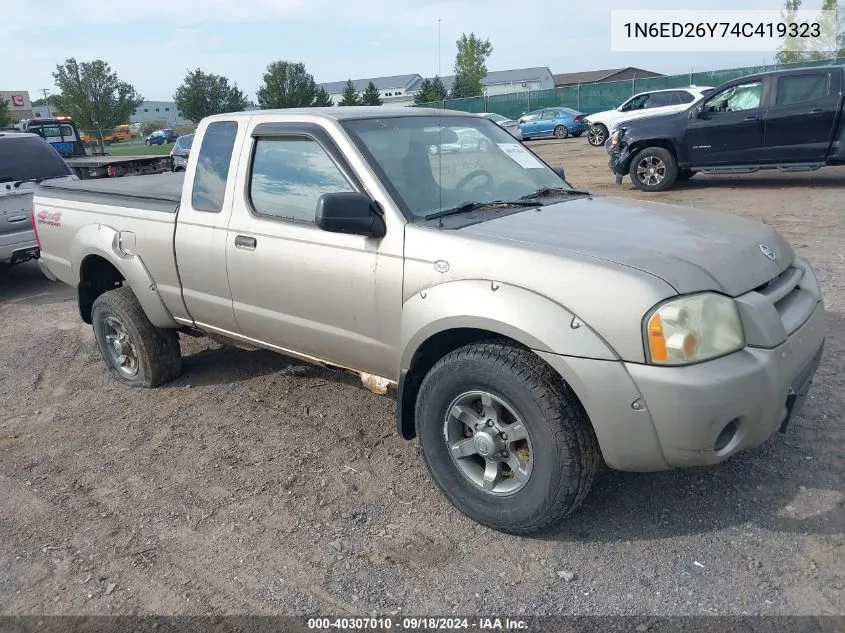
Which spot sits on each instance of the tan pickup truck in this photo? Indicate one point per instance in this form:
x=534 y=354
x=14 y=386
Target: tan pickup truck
x=531 y=329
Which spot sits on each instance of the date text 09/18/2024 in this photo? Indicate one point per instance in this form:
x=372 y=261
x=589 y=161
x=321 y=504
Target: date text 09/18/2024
x=417 y=623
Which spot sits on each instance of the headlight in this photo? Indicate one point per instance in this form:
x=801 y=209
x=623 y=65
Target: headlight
x=692 y=329
x=616 y=137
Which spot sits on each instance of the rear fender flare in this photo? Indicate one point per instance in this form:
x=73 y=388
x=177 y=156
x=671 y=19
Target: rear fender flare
x=102 y=240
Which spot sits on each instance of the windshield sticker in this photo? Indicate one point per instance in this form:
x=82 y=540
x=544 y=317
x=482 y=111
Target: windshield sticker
x=522 y=156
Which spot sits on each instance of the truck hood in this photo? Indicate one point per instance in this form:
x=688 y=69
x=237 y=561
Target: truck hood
x=690 y=249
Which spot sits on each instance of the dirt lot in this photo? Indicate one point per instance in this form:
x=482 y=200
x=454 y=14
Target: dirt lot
x=254 y=484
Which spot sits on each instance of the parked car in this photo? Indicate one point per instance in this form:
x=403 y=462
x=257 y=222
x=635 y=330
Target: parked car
x=511 y=126
x=342 y=243
x=557 y=122
x=641 y=106
x=787 y=120
x=160 y=137
x=458 y=140
x=180 y=152
x=25 y=160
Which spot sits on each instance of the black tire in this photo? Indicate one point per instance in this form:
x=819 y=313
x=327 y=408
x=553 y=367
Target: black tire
x=664 y=163
x=597 y=135
x=577 y=134
x=159 y=358
x=561 y=131
x=685 y=174
x=564 y=448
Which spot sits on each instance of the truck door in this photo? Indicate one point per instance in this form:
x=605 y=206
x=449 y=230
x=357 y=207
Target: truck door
x=730 y=127
x=802 y=115
x=201 y=226
x=329 y=296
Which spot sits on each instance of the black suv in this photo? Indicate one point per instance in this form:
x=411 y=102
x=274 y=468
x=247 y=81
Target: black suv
x=787 y=120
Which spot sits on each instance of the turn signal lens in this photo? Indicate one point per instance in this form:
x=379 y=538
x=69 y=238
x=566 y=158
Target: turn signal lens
x=656 y=338
x=692 y=329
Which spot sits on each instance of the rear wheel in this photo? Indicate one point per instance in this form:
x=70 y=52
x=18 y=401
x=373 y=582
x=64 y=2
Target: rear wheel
x=504 y=438
x=561 y=131
x=653 y=169
x=135 y=351
x=597 y=135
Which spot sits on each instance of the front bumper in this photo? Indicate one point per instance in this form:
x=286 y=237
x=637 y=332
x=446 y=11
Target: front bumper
x=650 y=418
x=620 y=158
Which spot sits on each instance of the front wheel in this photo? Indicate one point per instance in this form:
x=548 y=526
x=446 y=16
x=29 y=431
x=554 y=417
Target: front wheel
x=136 y=352
x=653 y=169
x=504 y=437
x=597 y=135
x=561 y=131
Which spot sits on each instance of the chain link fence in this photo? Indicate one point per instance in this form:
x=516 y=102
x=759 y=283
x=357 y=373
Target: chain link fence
x=597 y=97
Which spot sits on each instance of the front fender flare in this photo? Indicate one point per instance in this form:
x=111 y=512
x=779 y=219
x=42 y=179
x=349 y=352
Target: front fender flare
x=104 y=241
x=525 y=316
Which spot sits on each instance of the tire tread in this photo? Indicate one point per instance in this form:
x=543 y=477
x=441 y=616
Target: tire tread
x=569 y=423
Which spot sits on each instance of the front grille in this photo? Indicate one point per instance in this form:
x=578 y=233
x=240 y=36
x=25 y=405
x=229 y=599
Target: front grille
x=793 y=294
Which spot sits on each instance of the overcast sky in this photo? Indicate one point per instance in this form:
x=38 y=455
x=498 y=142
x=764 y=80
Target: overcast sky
x=153 y=43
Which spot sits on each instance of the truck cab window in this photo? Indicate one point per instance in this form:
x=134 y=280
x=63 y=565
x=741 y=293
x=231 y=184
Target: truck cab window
x=213 y=162
x=736 y=98
x=799 y=88
x=289 y=174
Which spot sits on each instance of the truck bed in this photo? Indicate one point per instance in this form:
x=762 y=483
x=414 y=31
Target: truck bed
x=157 y=192
x=105 y=161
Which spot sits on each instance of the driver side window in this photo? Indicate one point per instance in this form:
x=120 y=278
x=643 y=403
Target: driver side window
x=637 y=103
x=736 y=98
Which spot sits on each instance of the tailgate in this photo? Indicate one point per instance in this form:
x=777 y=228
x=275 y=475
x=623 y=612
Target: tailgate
x=15 y=211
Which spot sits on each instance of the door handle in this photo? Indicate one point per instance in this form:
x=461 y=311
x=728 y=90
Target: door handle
x=246 y=243
x=816 y=111
x=748 y=119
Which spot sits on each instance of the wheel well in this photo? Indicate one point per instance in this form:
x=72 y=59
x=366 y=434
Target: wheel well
x=96 y=276
x=636 y=147
x=432 y=350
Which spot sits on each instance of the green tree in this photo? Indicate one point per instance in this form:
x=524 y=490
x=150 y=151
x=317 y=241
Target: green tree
x=471 y=64
x=371 y=96
x=832 y=19
x=93 y=94
x=203 y=94
x=426 y=93
x=461 y=89
x=439 y=88
x=349 y=96
x=322 y=99
x=5 y=115
x=288 y=85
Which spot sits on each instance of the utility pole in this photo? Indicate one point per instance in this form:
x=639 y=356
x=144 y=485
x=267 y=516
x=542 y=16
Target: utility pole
x=47 y=101
x=438 y=47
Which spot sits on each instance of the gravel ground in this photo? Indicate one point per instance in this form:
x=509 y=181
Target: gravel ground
x=255 y=484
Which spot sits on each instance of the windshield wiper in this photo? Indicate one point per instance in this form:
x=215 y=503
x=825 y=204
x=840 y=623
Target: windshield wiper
x=477 y=206
x=547 y=192
x=37 y=181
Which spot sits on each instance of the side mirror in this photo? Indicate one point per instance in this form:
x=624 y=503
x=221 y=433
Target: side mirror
x=559 y=171
x=349 y=212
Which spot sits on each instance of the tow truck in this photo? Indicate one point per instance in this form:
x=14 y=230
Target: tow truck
x=62 y=133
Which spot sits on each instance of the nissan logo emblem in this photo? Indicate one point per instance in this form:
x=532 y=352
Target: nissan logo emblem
x=768 y=252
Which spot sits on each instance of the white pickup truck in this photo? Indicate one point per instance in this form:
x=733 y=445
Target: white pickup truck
x=531 y=329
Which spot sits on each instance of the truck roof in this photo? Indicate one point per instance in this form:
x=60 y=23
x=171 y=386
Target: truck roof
x=344 y=113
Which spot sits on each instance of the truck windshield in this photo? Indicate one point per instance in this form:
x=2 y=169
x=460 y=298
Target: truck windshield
x=29 y=157
x=434 y=163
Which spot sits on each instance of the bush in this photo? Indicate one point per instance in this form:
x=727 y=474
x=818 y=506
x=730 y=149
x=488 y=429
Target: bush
x=148 y=127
